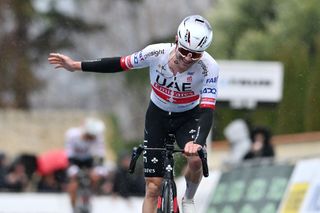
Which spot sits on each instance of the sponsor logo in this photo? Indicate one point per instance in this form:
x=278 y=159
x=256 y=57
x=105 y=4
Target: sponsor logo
x=169 y=168
x=155 y=53
x=187 y=37
x=135 y=59
x=141 y=56
x=192 y=131
x=154 y=160
x=204 y=68
x=190 y=73
x=209 y=91
x=212 y=80
x=146 y=170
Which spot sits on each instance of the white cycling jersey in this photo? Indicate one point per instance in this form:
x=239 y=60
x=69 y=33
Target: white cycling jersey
x=180 y=92
x=78 y=148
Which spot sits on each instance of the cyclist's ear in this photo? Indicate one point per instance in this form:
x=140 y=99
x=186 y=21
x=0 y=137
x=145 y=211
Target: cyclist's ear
x=176 y=39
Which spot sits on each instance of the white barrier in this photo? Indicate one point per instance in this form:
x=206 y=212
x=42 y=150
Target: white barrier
x=59 y=203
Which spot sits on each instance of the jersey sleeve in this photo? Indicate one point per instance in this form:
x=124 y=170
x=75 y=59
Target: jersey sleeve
x=69 y=141
x=140 y=59
x=209 y=90
x=99 y=149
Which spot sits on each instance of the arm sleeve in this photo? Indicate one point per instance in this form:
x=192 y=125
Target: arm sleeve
x=204 y=126
x=103 y=65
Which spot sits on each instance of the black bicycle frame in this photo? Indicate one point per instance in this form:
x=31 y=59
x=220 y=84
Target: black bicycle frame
x=168 y=184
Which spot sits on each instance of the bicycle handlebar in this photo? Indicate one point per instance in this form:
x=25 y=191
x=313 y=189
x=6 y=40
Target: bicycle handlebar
x=203 y=156
x=136 y=152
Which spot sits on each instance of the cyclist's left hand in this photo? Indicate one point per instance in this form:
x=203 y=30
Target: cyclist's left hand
x=191 y=148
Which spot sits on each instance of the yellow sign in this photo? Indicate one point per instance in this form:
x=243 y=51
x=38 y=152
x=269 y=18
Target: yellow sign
x=295 y=198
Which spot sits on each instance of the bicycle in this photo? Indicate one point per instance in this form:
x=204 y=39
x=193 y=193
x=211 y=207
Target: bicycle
x=84 y=194
x=167 y=200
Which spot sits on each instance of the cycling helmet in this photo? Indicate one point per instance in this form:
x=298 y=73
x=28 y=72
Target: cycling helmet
x=93 y=126
x=195 y=33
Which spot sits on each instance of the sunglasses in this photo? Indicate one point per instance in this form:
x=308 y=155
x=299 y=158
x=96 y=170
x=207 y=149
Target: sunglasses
x=184 y=53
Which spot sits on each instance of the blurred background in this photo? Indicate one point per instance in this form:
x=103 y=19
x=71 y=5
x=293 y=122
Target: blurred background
x=38 y=103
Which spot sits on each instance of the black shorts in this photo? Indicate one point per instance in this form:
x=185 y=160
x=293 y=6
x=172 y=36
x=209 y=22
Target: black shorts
x=158 y=125
x=81 y=163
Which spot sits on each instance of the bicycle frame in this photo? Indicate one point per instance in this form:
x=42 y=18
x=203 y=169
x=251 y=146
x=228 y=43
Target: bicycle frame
x=83 y=202
x=167 y=201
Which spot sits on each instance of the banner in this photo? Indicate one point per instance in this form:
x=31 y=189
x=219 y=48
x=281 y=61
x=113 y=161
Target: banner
x=303 y=194
x=255 y=189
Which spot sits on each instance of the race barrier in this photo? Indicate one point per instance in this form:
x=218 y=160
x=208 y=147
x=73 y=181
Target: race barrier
x=249 y=188
x=268 y=188
x=303 y=192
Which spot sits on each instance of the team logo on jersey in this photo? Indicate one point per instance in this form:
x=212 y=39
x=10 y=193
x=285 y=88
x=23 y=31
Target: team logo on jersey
x=184 y=86
x=161 y=69
x=204 y=68
x=189 y=79
x=154 y=160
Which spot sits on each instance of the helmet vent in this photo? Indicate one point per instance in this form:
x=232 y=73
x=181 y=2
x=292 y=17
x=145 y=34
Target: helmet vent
x=199 y=20
x=203 y=41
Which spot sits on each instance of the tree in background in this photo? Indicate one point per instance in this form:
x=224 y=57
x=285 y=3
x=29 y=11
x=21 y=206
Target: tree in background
x=286 y=31
x=26 y=36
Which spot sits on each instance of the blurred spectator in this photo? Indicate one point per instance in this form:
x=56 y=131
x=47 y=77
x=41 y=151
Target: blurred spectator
x=49 y=183
x=126 y=184
x=30 y=163
x=261 y=145
x=16 y=180
x=238 y=135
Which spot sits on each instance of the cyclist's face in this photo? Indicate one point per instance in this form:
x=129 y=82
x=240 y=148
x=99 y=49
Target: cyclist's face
x=187 y=58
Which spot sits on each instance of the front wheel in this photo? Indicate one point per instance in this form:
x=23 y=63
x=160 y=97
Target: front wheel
x=167 y=201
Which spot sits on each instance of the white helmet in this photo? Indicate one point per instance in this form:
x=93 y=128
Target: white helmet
x=93 y=126
x=195 y=33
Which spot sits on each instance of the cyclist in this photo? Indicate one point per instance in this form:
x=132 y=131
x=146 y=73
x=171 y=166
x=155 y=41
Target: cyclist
x=85 y=149
x=184 y=79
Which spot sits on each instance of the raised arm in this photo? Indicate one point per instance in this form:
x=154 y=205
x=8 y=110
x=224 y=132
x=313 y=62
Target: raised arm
x=102 y=65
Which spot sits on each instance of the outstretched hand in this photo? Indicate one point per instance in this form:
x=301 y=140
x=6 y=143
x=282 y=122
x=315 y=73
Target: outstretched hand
x=63 y=61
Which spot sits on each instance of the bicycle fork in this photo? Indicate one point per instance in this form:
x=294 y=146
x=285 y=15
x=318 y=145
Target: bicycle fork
x=167 y=201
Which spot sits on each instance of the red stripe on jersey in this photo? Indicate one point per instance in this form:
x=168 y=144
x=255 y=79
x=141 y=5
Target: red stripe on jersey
x=185 y=100
x=160 y=94
x=174 y=100
x=125 y=62
x=207 y=100
x=211 y=106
